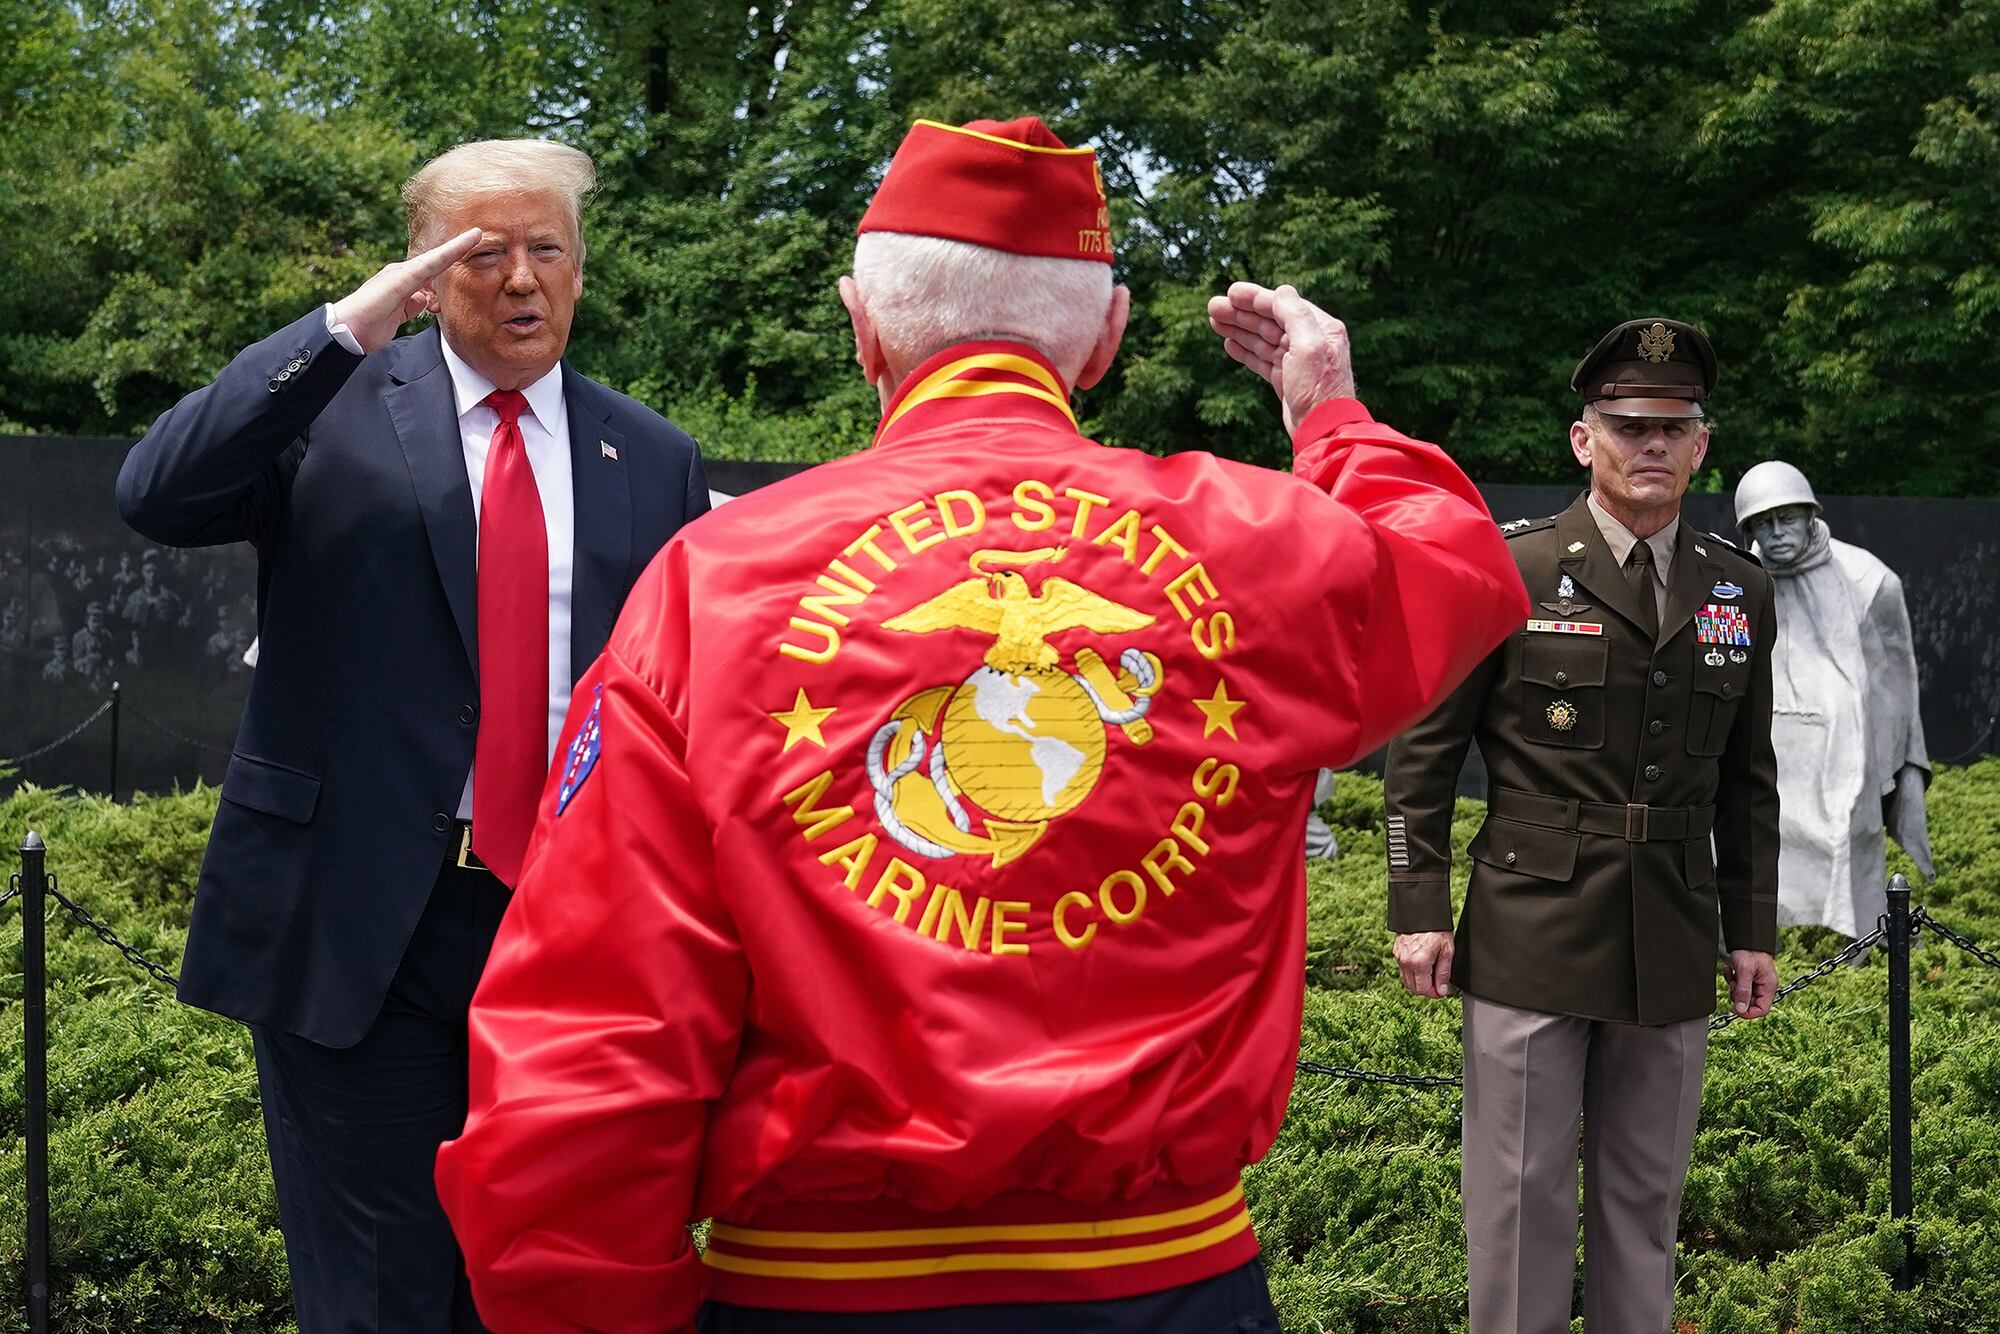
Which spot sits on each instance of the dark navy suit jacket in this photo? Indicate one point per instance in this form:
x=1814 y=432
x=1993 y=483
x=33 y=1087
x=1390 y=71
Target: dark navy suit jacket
x=348 y=476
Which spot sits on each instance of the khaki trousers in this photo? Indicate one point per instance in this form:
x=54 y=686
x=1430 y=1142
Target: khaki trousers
x=1528 y=1077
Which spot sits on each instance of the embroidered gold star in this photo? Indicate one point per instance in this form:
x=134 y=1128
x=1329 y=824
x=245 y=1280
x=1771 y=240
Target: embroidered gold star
x=802 y=722
x=1219 y=711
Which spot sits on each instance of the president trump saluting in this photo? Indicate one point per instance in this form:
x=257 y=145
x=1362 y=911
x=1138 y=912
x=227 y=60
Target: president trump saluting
x=926 y=902
x=445 y=525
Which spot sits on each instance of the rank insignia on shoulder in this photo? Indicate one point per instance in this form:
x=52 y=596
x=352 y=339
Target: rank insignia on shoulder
x=1727 y=590
x=583 y=753
x=1515 y=527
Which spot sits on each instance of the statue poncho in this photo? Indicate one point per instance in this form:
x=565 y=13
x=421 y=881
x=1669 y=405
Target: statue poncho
x=1844 y=723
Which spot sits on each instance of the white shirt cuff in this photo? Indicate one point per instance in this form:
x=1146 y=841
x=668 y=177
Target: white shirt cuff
x=341 y=335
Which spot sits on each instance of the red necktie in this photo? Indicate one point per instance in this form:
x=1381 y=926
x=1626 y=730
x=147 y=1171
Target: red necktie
x=511 y=758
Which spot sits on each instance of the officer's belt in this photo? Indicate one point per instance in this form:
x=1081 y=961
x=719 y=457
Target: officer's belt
x=1634 y=823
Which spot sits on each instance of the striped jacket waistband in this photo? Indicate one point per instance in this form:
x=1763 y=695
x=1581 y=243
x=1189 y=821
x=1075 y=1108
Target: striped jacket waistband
x=883 y=1255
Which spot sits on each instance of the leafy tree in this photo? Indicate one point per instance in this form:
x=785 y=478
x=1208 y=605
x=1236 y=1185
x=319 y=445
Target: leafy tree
x=1868 y=135
x=166 y=203
x=1479 y=188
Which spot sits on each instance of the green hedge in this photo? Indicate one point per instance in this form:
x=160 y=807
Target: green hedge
x=163 y=1218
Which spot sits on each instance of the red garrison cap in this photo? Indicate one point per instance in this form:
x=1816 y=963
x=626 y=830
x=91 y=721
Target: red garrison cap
x=1008 y=186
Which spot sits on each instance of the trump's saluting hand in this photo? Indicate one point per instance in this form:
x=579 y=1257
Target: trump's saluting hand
x=399 y=292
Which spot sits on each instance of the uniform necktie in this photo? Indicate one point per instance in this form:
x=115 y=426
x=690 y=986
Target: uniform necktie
x=510 y=758
x=1639 y=574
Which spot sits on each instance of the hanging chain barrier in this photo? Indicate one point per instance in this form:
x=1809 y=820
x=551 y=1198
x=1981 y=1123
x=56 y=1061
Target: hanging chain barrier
x=110 y=937
x=1380 y=1076
x=59 y=742
x=175 y=734
x=1921 y=918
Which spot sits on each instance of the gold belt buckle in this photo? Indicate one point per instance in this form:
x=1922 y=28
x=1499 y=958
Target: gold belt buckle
x=466 y=860
x=1635 y=822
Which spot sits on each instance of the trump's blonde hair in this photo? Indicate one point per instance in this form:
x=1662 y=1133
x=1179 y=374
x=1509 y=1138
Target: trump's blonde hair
x=486 y=167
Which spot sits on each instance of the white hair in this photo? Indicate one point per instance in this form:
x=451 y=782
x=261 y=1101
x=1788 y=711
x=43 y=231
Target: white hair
x=496 y=167
x=924 y=293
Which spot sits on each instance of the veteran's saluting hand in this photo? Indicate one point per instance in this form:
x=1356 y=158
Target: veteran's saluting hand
x=399 y=292
x=1299 y=348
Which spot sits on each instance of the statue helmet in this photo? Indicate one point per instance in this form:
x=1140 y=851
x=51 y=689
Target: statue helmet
x=1769 y=486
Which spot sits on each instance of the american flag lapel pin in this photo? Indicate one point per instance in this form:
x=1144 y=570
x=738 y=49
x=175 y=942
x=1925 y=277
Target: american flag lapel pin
x=609 y=450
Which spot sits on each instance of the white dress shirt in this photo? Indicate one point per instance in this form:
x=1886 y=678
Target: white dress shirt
x=545 y=431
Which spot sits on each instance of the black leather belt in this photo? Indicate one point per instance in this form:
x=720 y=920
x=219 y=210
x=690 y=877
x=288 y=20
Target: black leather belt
x=1633 y=822
x=459 y=853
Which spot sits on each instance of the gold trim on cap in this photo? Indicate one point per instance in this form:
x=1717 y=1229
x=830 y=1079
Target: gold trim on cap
x=1009 y=143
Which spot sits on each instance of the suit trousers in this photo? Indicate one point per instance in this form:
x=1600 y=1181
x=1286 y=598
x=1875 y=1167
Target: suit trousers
x=1236 y=1302
x=1528 y=1077
x=354 y=1133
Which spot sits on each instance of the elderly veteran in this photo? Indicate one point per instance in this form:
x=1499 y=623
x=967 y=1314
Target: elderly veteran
x=446 y=525
x=1633 y=805
x=925 y=903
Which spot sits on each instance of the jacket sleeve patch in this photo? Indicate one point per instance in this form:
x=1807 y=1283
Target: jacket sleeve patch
x=583 y=750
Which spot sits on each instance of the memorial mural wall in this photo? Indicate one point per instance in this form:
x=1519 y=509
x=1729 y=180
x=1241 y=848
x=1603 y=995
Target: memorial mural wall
x=85 y=602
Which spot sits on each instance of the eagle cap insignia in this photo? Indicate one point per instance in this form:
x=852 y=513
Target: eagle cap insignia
x=1022 y=740
x=1657 y=343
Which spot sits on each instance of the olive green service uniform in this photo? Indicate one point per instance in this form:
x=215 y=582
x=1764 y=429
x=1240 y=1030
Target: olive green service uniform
x=1632 y=803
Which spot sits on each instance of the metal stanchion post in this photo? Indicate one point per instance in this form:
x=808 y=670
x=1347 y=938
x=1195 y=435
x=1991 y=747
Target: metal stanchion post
x=115 y=692
x=1899 y=1072
x=35 y=1045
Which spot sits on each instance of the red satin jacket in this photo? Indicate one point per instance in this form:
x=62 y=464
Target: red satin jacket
x=921 y=891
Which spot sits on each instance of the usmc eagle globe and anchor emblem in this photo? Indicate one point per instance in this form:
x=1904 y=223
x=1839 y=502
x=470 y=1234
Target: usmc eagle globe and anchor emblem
x=1021 y=740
